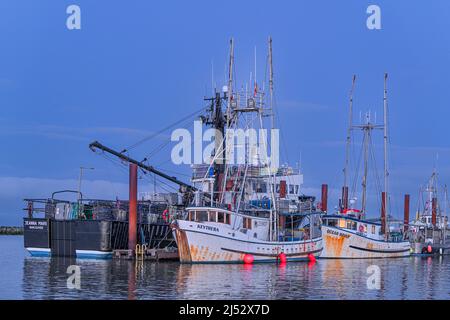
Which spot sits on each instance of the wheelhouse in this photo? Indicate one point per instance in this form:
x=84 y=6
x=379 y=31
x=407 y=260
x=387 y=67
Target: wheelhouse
x=364 y=227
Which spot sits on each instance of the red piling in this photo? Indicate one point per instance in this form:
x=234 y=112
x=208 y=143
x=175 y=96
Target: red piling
x=324 y=197
x=433 y=211
x=406 y=214
x=344 y=198
x=283 y=188
x=383 y=212
x=132 y=211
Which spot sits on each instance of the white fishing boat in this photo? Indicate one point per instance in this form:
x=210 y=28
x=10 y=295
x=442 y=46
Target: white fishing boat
x=252 y=211
x=347 y=233
x=429 y=231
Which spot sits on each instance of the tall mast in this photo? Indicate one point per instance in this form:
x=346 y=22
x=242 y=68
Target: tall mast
x=271 y=80
x=274 y=222
x=230 y=81
x=228 y=115
x=386 y=173
x=349 y=132
x=367 y=129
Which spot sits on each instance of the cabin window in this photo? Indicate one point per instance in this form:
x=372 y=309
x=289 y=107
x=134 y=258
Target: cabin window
x=277 y=189
x=220 y=217
x=373 y=229
x=351 y=225
x=227 y=218
x=341 y=223
x=291 y=189
x=296 y=189
x=201 y=216
x=332 y=222
x=247 y=223
x=212 y=216
x=191 y=216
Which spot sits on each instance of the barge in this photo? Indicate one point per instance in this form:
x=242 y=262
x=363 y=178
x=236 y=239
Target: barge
x=95 y=228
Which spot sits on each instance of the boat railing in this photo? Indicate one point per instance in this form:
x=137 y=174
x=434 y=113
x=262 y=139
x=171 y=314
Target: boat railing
x=100 y=209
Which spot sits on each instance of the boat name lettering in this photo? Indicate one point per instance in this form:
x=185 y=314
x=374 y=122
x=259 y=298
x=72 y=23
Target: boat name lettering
x=201 y=226
x=338 y=233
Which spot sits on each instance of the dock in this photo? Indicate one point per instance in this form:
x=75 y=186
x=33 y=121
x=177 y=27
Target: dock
x=146 y=254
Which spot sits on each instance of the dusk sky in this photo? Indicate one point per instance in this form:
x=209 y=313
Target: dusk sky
x=136 y=67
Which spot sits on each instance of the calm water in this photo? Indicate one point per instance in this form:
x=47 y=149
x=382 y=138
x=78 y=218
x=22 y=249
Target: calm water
x=24 y=277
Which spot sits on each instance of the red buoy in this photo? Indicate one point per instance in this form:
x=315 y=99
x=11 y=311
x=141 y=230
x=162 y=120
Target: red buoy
x=248 y=258
x=282 y=257
x=429 y=249
x=311 y=258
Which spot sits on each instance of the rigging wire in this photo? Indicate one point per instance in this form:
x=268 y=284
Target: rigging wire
x=153 y=135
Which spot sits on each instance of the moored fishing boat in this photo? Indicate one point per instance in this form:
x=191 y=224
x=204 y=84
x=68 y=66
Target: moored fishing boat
x=428 y=232
x=347 y=233
x=252 y=211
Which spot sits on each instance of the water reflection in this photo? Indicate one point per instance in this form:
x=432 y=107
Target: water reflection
x=408 y=278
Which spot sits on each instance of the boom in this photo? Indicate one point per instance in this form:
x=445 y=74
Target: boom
x=145 y=167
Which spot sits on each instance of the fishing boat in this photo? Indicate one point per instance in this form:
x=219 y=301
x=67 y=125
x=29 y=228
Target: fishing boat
x=428 y=232
x=252 y=211
x=347 y=233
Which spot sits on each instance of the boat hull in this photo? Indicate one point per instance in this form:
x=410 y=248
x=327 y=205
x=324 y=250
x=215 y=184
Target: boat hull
x=198 y=245
x=339 y=243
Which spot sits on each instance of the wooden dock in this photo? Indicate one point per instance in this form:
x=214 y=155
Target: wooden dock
x=147 y=254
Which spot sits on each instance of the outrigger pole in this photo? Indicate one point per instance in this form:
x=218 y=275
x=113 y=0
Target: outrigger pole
x=97 y=145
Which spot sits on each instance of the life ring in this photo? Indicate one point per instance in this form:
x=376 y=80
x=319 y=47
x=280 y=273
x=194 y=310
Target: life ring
x=165 y=215
x=361 y=228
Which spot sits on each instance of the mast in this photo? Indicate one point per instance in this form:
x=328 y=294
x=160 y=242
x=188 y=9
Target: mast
x=367 y=130
x=271 y=80
x=274 y=222
x=230 y=82
x=349 y=132
x=228 y=115
x=386 y=173
x=444 y=225
x=344 y=196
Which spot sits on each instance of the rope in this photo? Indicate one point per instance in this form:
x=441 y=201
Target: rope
x=162 y=130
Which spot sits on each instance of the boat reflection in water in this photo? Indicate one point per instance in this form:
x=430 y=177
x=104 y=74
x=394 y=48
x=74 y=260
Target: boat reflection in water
x=410 y=278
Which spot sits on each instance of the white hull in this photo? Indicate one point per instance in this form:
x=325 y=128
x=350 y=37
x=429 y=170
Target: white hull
x=339 y=243
x=199 y=243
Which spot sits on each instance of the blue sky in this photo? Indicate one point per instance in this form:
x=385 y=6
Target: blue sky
x=137 y=66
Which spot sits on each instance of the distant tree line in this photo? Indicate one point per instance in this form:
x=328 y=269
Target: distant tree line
x=11 y=230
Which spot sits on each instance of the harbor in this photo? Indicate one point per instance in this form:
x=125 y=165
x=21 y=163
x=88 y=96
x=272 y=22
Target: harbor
x=243 y=207
x=45 y=278
x=269 y=152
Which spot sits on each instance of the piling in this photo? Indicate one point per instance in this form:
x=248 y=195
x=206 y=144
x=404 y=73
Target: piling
x=433 y=211
x=283 y=188
x=344 y=198
x=132 y=211
x=406 y=214
x=383 y=212
x=324 y=197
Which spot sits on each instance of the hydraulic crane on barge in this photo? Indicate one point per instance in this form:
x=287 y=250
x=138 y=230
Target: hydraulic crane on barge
x=185 y=189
